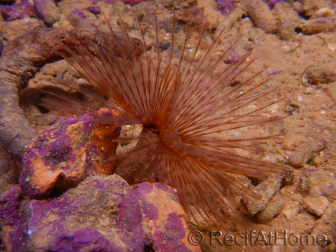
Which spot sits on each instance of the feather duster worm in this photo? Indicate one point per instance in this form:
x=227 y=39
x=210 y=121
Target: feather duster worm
x=188 y=110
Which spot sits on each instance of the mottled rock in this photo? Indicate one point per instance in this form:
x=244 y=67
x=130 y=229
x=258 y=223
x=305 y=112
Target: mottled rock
x=322 y=74
x=318 y=182
x=317 y=25
x=271 y=210
x=48 y=11
x=12 y=225
x=286 y=29
x=102 y=214
x=324 y=12
x=94 y=9
x=19 y=10
x=95 y=216
x=193 y=15
x=101 y=147
x=226 y=6
x=261 y=15
x=162 y=218
x=9 y=169
x=309 y=7
x=297 y=6
x=288 y=20
x=11 y=30
x=316 y=205
x=211 y=12
x=273 y=3
x=63 y=155
x=266 y=189
x=56 y=157
x=326 y=226
x=232 y=56
x=291 y=209
x=305 y=152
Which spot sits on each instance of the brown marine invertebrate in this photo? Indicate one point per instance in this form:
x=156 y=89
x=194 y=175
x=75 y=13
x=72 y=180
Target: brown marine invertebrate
x=189 y=110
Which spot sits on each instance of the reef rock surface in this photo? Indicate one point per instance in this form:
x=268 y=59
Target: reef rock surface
x=103 y=213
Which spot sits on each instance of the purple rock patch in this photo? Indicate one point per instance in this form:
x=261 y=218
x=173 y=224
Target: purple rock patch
x=10 y=215
x=170 y=239
x=130 y=219
x=18 y=11
x=54 y=147
x=151 y=212
x=94 y=9
x=164 y=187
x=233 y=56
x=225 y=6
x=103 y=213
x=272 y=3
x=83 y=240
x=79 y=13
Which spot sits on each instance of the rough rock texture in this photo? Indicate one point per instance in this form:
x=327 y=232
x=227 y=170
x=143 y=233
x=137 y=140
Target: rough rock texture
x=327 y=224
x=22 y=59
x=48 y=11
x=272 y=209
x=100 y=148
x=318 y=25
x=305 y=152
x=316 y=205
x=292 y=207
x=162 y=218
x=321 y=74
x=101 y=214
x=9 y=31
x=288 y=20
x=225 y=6
x=59 y=157
x=12 y=225
x=266 y=190
x=261 y=15
x=56 y=157
x=318 y=183
x=18 y=11
x=309 y=7
x=9 y=169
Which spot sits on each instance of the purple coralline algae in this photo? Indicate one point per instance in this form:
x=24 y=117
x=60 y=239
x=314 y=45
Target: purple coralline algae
x=272 y=3
x=103 y=213
x=67 y=152
x=225 y=6
x=79 y=13
x=233 y=56
x=94 y=9
x=18 y=11
x=56 y=157
x=273 y=72
x=11 y=220
x=48 y=11
x=84 y=240
x=170 y=239
x=162 y=217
